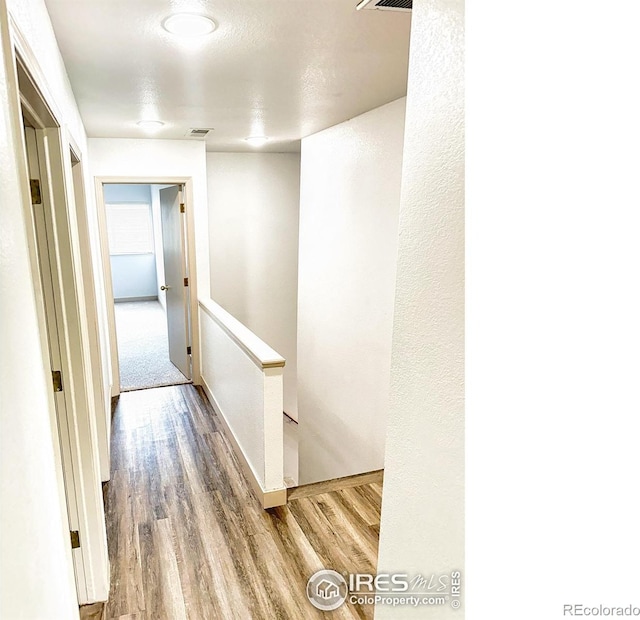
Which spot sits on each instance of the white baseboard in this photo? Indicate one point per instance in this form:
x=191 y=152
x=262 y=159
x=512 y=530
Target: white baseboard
x=267 y=499
x=120 y=300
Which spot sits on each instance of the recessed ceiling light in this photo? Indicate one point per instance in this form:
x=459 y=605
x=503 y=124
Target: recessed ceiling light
x=257 y=140
x=189 y=25
x=150 y=125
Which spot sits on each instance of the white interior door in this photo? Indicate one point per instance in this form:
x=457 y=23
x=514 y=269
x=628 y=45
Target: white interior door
x=176 y=279
x=52 y=310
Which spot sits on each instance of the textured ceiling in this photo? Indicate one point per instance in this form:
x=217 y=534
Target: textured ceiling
x=285 y=68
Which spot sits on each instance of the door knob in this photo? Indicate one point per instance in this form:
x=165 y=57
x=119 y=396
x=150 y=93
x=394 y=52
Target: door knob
x=164 y=287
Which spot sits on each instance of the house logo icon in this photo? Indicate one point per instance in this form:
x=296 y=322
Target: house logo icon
x=327 y=590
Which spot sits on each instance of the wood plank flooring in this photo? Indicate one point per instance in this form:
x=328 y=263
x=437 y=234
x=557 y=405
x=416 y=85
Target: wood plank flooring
x=188 y=540
x=95 y=611
x=327 y=486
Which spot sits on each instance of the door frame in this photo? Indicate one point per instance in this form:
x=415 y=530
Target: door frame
x=96 y=349
x=187 y=183
x=78 y=471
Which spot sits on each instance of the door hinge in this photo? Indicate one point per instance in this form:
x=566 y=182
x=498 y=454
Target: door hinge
x=36 y=196
x=186 y=281
x=75 y=539
x=188 y=350
x=182 y=209
x=56 y=375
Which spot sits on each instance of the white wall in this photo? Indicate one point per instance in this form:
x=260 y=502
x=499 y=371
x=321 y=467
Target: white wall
x=350 y=193
x=239 y=375
x=154 y=160
x=35 y=559
x=127 y=192
x=128 y=157
x=33 y=22
x=133 y=276
x=422 y=527
x=36 y=33
x=253 y=229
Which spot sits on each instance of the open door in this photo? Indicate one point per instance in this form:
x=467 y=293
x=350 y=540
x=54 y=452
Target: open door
x=176 y=278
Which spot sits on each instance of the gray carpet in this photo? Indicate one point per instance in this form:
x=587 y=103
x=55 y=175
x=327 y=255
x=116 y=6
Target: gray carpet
x=143 y=347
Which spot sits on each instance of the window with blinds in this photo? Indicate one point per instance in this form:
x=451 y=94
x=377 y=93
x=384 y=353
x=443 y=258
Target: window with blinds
x=130 y=228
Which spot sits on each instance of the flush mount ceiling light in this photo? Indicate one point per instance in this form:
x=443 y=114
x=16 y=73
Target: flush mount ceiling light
x=256 y=140
x=189 y=25
x=150 y=125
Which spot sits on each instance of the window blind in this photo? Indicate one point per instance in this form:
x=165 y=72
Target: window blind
x=130 y=228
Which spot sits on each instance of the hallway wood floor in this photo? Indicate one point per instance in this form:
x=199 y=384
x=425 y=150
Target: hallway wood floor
x=187 y=539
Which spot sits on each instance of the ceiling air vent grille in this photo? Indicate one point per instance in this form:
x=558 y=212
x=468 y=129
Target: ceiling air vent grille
x=198 y=133
x=386 y=5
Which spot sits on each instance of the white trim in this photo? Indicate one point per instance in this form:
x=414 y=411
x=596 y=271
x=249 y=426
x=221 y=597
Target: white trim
x=31 y=63
x=102 y=403
x=122 y=300
x=268 y=498
x=265 y=469
x=187 y=182
x=79 y=386
x=108 y=287
x=9 y=39
x=257 y=350
x=92 y=580
x=273 y=428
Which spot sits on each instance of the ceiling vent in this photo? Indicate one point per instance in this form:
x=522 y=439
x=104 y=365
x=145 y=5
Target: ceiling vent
x=198 y=133
x=386 y=5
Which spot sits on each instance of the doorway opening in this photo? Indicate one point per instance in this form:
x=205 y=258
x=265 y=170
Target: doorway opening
x=148 y=260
